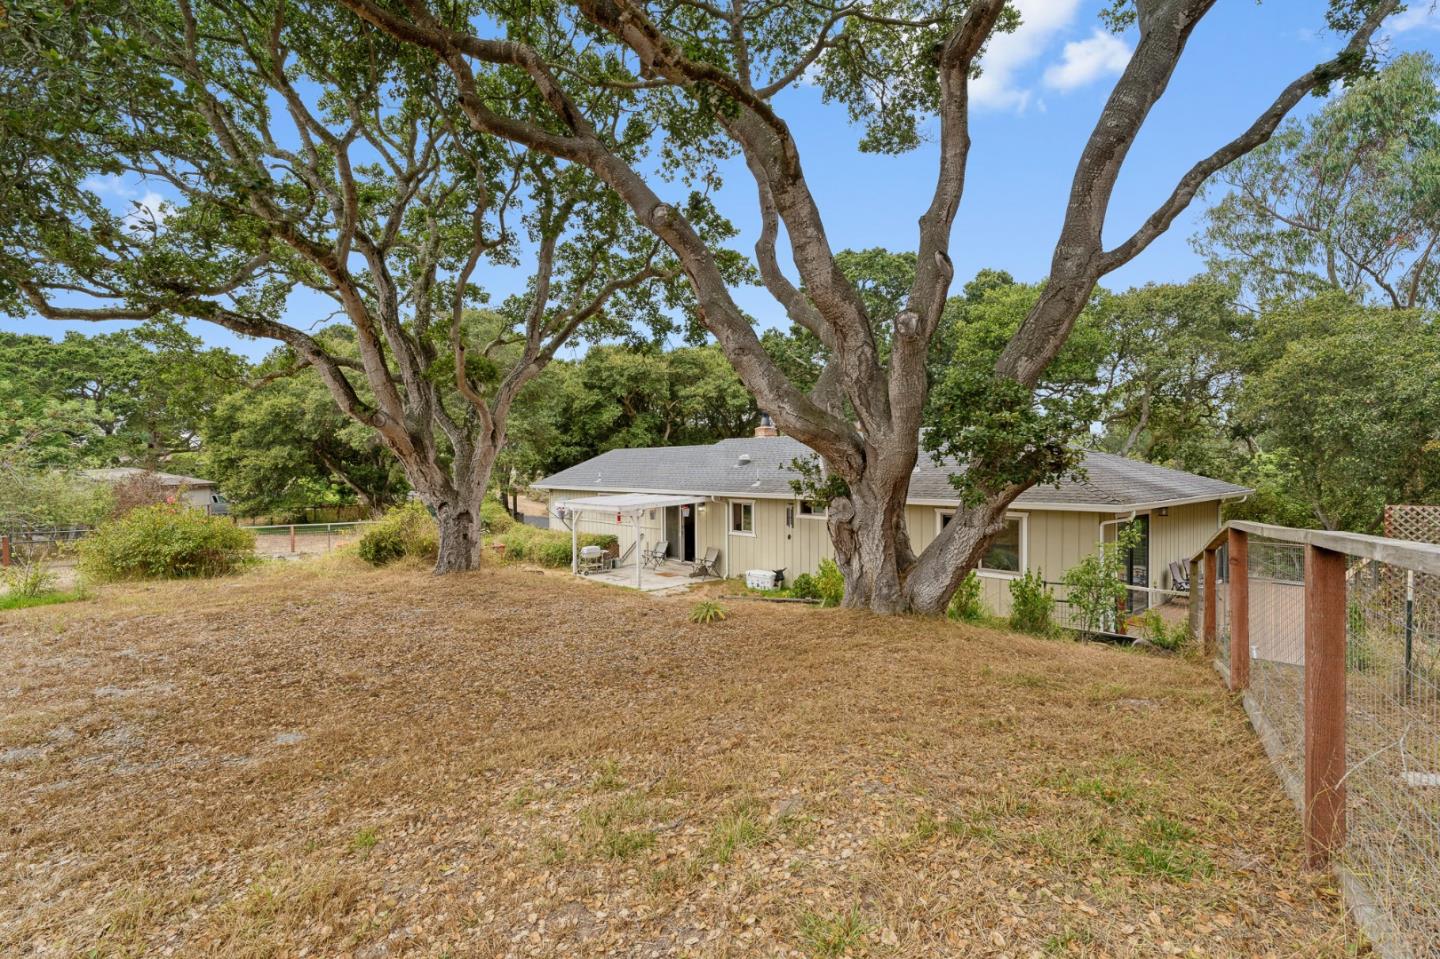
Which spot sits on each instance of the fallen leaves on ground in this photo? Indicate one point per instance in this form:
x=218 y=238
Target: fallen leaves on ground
x=327 y=760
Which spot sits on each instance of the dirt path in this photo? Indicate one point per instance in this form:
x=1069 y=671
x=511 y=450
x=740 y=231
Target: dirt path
x=330 y=761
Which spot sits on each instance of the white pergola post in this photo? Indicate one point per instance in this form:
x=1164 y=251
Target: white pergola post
x=638 y=565
x=574 y=544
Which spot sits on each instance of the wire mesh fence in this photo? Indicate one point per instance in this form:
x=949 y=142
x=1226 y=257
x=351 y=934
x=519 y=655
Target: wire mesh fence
x=1390 y=787
x=305 y=539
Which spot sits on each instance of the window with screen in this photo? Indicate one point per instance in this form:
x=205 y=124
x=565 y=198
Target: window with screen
x=1006 y=552
x=742 y=518
x=811 y=508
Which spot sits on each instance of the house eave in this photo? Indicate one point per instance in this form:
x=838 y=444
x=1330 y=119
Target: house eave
x=919 y=501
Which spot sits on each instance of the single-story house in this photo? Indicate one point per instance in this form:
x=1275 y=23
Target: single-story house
x=191 y=490
x=741 y=501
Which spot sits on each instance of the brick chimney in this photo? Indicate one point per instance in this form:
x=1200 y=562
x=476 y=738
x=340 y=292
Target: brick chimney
x=766 y=427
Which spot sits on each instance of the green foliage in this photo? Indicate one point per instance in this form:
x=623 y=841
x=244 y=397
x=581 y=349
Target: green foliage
x=545 y=547
x=1344 y=200
x=965 y=605
x=1347 y=398
x=829 y=936
x=49 y=598
x=707 y=611
x=41 y=497
x=1032 y=604
x=1155 y=631
x=28 y=578
x=1174 y=355
x=495 y=517
x=830 y=583
x=286 y=445
x=406 y=531
x=165 y=542
x=1005 y=433
x=1095 y=587
x=804 y=586
x=626 y=395
x=135 y=396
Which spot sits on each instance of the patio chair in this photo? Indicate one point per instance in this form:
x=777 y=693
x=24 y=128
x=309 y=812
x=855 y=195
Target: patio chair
x=1179 y=576
x=705 y=566
x=655 y=556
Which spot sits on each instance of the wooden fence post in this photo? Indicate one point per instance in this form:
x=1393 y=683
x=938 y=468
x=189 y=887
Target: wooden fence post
x=4 y=551
x=1239 y=606
x=1324 y=704
x=1211 y=588
x=292 y=539
x=1192 y=608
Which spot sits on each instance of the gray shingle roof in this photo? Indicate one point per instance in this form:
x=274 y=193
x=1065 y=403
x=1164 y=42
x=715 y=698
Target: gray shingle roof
x=115 y=474
x=1110 y=482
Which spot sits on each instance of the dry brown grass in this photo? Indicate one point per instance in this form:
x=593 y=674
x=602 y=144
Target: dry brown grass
x=327 y=760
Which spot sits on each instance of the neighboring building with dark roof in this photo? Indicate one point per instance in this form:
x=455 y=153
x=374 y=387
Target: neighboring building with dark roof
x=192 y=490
x=751 y=513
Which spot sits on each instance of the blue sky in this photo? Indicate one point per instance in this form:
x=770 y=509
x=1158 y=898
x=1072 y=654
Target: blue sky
x=1042 y=91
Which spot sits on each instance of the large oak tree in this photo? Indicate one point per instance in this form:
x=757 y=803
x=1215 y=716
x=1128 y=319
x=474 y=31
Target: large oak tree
x=716 y=68
x=304 y=151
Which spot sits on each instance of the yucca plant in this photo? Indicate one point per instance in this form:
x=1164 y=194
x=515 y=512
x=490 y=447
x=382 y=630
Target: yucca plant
x=707 y=611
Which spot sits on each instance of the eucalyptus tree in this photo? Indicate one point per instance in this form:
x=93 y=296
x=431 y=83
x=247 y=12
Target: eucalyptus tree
x=316 y=169
x=1347 y=199
x=897 y=66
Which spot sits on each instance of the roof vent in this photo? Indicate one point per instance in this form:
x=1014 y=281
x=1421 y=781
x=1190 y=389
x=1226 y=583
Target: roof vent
x=744 y=460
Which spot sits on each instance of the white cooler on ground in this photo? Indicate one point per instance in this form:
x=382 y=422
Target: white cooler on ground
x=760 y=578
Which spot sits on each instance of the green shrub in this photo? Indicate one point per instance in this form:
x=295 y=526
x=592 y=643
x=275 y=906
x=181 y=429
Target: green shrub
x=1095 y=587
x=1154 y=629
x=495 y=517
x=165 y=541
x=29 y=578
x=548 y=547
x=1032 y=605
x=805 y=587
x=407 y=530
x=965 y=604
x=830 y=583
x=707 y=611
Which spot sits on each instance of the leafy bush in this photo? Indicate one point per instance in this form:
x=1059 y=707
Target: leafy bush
x=407 y=530
x=1095 y=587
x=163 y=542
x=805 y=587
x=51 y=497
x=1032 y=604
x=495 y=517
x=1154 y=629
x=29 y=578
x=707 y=611
x=830 y=583
x=547 y=547
x=965 y=604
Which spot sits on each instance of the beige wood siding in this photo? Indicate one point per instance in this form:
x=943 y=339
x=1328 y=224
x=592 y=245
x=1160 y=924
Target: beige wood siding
x=1179 y=536
x=1055 y=540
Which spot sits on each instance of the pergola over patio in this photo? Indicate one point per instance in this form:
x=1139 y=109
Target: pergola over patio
x=633 y=505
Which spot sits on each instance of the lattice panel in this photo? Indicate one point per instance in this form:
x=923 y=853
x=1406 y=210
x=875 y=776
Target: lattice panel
x=1418 y=523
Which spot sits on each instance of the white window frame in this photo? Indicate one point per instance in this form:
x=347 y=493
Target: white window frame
x=1024 y=519
x=824 y=512
x=730 y=517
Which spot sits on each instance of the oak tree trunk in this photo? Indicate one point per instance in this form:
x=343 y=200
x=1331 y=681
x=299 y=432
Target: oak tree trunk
x=460 y=537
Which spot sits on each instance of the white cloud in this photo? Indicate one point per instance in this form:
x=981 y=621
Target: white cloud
x=140 y=211
x=1040 y=20
x=1420 y=16
x=1085 y=61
